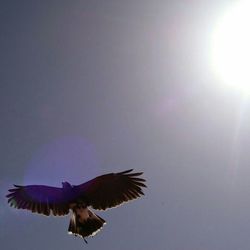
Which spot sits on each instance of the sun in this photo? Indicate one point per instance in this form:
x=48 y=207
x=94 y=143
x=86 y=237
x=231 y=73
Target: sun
x=230 y=47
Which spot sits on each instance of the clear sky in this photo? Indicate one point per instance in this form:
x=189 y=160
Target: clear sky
x=91 y=87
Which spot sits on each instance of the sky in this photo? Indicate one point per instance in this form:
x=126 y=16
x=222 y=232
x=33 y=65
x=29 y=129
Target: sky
x=91 y=87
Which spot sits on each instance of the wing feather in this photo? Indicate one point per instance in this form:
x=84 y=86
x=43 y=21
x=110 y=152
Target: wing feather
x=111 y=190
x=39 y=199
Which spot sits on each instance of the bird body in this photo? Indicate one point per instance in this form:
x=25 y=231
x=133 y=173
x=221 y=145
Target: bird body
x=103 y=192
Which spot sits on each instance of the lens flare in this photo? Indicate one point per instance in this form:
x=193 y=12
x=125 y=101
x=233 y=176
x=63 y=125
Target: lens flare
x=69 y=158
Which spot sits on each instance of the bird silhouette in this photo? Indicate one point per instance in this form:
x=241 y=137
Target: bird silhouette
x=103 y=192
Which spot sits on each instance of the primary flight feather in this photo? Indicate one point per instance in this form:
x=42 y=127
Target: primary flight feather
x=103 y=192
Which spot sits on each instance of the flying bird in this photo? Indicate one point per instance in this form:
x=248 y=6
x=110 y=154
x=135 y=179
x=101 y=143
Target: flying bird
x=103 y=192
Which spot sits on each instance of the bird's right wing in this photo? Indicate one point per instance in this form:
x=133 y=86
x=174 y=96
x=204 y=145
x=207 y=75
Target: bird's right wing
x=38 y=198
x=111 y=190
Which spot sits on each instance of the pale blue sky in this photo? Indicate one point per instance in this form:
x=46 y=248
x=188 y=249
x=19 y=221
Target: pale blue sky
x=91 y=87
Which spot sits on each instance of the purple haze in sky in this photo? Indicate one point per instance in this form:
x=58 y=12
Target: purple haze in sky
x=69 y=158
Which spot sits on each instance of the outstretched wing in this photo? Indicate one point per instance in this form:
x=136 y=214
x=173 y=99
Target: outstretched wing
x=39 y=199
x=111 y=190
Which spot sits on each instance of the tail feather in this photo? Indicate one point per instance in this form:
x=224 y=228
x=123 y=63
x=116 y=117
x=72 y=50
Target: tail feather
x=85 y=224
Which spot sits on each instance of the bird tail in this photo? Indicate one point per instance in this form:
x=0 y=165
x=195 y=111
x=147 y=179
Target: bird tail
x=84 y=223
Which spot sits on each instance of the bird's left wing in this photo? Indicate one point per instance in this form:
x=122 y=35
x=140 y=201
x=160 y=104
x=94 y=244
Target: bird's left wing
x=111 y=190
x=39 y=199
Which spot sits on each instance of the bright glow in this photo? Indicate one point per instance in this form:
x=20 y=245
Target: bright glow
x=231 y=46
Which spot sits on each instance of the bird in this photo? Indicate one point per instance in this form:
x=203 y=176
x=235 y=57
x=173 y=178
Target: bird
x=101 y=193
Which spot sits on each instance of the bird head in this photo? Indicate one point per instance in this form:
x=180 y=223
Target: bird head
x=66 y=185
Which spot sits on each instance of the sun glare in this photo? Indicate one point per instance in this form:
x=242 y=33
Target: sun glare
x=231 y=47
